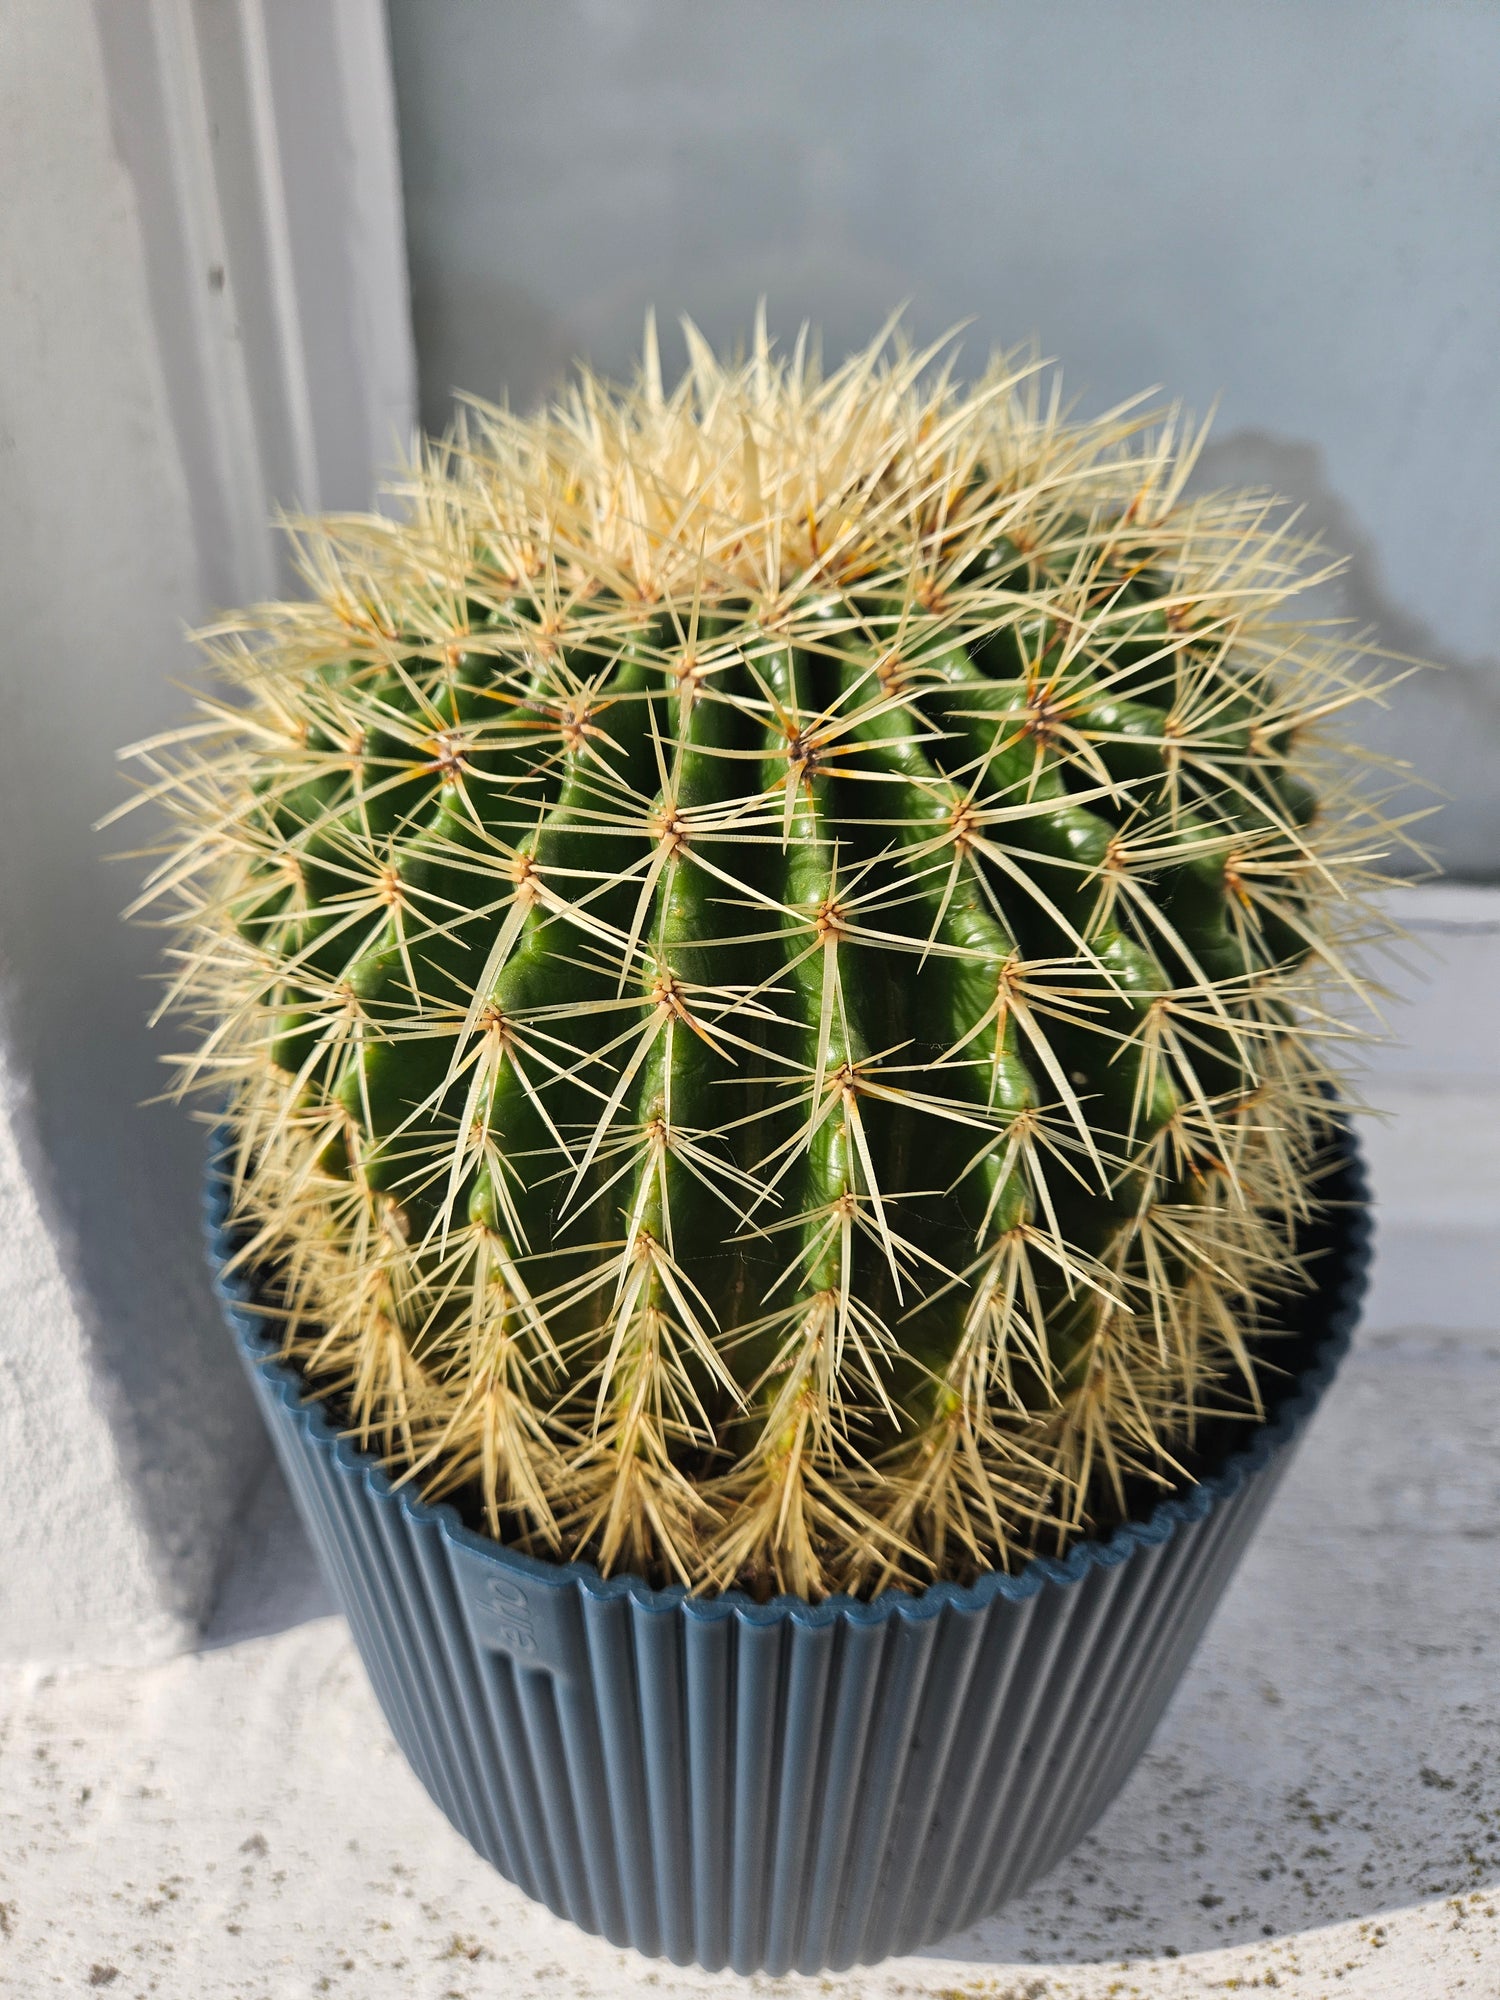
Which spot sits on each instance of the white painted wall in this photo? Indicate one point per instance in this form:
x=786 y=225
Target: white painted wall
x=202 y=310
x=1296 y=207
x=124 y=1426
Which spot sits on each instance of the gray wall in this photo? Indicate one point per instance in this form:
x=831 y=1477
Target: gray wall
x=1294 y=207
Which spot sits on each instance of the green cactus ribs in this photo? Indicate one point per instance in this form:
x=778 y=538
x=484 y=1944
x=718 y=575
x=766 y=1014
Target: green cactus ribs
x=769 y=945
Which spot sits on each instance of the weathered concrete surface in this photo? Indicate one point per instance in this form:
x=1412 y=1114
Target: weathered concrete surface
x=1319 y=1816
x=1321 y=1811
x=78 y=1573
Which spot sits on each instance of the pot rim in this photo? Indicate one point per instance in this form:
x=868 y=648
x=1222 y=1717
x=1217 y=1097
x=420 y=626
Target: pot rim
x=1345 y=1294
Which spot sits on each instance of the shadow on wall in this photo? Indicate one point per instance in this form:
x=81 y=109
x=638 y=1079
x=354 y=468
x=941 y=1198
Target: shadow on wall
x=499 y=340
x=1454 y=712
x=457 y=341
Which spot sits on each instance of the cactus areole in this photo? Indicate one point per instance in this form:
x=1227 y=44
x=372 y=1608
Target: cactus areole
x=768 y=947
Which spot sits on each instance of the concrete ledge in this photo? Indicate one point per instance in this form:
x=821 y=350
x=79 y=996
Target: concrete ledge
x=78 y=1571
x=1317 y=1814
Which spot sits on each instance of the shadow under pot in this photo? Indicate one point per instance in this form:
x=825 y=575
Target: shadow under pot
x=784 y=1786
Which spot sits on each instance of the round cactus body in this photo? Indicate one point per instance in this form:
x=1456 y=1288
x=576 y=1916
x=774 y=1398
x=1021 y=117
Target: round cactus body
x=766 y=945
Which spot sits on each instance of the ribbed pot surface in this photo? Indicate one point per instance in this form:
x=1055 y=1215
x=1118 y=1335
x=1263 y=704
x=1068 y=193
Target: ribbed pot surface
x=783 y=1786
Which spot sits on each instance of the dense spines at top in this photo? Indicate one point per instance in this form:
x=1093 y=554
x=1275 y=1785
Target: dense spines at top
x=769 y=950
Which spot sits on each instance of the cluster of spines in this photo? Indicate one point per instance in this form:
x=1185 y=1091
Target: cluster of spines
x=768 y=950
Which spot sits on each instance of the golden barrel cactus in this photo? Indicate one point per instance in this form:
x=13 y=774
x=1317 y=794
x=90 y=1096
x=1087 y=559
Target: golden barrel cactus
x=769 y=947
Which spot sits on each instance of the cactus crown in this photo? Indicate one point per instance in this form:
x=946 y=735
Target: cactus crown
x=767 y=945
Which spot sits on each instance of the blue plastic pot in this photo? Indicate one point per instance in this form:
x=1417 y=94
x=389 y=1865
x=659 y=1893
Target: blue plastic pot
x=778 y=1786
